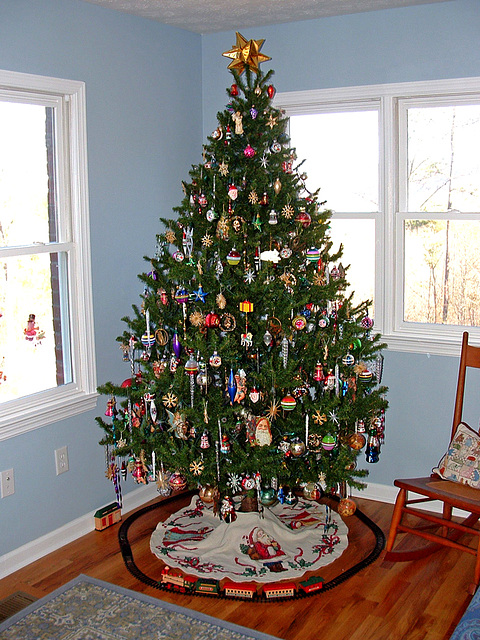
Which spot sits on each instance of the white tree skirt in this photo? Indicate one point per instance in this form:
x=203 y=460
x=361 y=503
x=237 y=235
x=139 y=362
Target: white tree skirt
x=285 y=543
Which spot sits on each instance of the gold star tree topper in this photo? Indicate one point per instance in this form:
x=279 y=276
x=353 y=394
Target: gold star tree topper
x=246 y=53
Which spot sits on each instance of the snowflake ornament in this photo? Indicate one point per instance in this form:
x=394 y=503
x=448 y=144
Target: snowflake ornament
x=170 y=400
x=196 y=467
x=234 y=482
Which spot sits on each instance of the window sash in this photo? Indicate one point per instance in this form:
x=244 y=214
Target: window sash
x=392 y=100
x=68 y=100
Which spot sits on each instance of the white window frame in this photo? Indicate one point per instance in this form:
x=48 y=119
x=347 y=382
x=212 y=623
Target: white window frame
x=68 y=97
x=389 y=239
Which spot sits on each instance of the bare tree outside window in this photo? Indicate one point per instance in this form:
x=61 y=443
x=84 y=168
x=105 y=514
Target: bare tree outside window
x=442 y=270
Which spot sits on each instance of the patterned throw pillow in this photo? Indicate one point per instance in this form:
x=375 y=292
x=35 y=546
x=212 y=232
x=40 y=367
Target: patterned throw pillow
x=461 y=463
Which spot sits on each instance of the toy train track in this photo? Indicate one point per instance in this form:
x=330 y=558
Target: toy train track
x=172 y=580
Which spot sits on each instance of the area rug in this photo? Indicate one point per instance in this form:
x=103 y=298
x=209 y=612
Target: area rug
x=89 y=609
x=282 y=542
x=469 y=626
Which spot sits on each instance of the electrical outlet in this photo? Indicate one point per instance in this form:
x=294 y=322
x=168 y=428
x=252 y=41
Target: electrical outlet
x=7 y=483
x=61 y=460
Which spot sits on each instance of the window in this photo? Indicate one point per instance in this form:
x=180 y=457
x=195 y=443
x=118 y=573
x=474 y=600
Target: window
x=46 y=326
x=398 y=166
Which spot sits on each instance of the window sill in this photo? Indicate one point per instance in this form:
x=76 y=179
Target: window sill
x=34 y=413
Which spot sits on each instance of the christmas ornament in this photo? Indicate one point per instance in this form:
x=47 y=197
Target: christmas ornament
x=204 y=440
x=268 y=497
x=285 y=351
x=346 y=507
x=313 y=255
x=207 y=494
x=161 y=336
x=197 y=467
x=263 y=432
x=233 y=258
x=234 y=90
x=238 y=118
x=271 y=91
x=177 y=481
x=249 y=151
x=277 y=186
x=272 y=121
x=177 y=347
x=304 y=219
x=356 y=441
x=372 y=450
x=253 y=113
x=328 y=442
x=297 y=447
x=227 y=510
x=348 y=360
x=212 y=320
x=246 y=53
x=231 y=386
x=232 y=192
x=273 y=217
x=254 y=395
x=178 y=256
x=288 y=403
x=275 y=147
x=318 y=373
x=290 y=498
x=227 y=322
x=225 y=446
x=200 y=294
x=215 y=360
x=311 y=491
x=170 y=400
x=181 y=295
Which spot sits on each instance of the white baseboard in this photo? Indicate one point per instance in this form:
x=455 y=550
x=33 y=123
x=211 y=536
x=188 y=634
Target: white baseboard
x=52 y=541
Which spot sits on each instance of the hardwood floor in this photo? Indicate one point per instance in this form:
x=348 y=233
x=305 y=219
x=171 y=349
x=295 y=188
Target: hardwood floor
x=421 y=600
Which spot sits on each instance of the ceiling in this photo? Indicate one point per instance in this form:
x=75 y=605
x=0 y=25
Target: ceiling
x=209 y=16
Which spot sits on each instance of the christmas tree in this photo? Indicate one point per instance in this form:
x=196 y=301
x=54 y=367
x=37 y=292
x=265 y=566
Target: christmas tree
x=250 y=367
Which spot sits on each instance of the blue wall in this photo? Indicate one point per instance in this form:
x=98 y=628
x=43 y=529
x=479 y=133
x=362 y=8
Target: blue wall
x=427 y=42
x=143 y=86
x=147 y=87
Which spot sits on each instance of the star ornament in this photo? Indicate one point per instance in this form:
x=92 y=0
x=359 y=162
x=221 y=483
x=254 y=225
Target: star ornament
x=246 y=53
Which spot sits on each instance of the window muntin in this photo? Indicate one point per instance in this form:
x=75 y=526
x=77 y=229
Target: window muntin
x=47 y=362
x=402 y=276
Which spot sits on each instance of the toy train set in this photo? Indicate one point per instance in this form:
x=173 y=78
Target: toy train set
x=175 y=581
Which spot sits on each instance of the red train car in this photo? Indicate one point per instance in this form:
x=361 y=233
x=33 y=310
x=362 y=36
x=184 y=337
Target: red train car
x=315 y=583
x=240 y=589
x=279 y=590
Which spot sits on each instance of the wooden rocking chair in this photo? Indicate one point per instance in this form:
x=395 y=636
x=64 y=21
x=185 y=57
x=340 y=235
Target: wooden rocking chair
x=451 y=494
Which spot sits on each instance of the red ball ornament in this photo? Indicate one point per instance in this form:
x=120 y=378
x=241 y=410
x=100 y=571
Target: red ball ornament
x=234 y=90
x=249 y=151
x=271 y=91
x=304 y=218
x=212 y=320
x=177 y=482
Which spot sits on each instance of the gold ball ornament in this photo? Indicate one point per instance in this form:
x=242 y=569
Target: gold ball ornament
x=310 y=491
x=346 y=507
x=207 y=494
